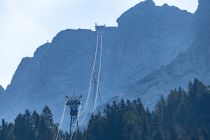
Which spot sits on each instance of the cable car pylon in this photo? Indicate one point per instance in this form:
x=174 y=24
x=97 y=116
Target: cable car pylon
x=74 y=102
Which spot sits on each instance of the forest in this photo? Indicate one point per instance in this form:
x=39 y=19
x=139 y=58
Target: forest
x=182 y=115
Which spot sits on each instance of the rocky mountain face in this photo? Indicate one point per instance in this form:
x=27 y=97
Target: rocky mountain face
x=1 y=93
x=193 y=63
x=1 y=90
x=147 y=37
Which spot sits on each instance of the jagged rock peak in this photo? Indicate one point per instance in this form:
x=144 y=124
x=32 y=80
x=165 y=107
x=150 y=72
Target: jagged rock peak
x=202 y=21
x=203 y=5
x=148 y=2
x=41 y=50
x=148 y=12
x=142 y=6
x=1 y=90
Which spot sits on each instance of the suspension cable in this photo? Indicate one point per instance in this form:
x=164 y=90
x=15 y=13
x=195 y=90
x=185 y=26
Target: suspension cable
x=99 y=72
x=100 y=96
x=91 y=77
x=83 y=112
x=61 y=122
x=98 y=77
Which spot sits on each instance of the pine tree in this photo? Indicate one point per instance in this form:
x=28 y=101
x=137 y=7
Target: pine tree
x=6 y=131
x=19 y=129
x=47 y=129
x=36 y=124
x=47 y=117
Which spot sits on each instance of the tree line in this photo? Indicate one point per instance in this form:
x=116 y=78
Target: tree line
x=31 y=126
x=183 y=115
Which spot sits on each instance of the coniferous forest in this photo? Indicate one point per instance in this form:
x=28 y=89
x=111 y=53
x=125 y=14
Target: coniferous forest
x=183 y=115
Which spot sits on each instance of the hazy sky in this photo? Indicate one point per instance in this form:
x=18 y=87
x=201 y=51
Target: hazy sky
x=27 y=24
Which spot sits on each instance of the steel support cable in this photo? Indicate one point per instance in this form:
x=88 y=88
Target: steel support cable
x=100 y=96
x=91 y=77
x=89 y=89
x=61 y=122
x=99 y=72
x=100 y=57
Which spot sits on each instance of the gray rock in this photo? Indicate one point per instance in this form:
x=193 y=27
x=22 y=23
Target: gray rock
x=148 y=37
x=193 y=63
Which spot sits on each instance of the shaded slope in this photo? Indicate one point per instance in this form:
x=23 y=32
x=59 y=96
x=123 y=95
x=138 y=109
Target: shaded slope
x=194 y=63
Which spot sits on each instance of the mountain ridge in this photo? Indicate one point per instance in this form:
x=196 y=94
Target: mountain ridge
x=132 y=50
x=194 y=63
x=1 y=90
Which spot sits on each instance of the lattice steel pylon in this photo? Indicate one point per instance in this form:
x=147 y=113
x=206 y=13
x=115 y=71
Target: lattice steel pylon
x=74 y=103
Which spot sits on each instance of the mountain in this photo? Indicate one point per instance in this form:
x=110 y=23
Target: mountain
x=1 y=90
x=148 y=31
x=147 y=37
x=194 y=63
x=1 y=93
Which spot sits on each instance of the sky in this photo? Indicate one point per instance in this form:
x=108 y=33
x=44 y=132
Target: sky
x=27 y=24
